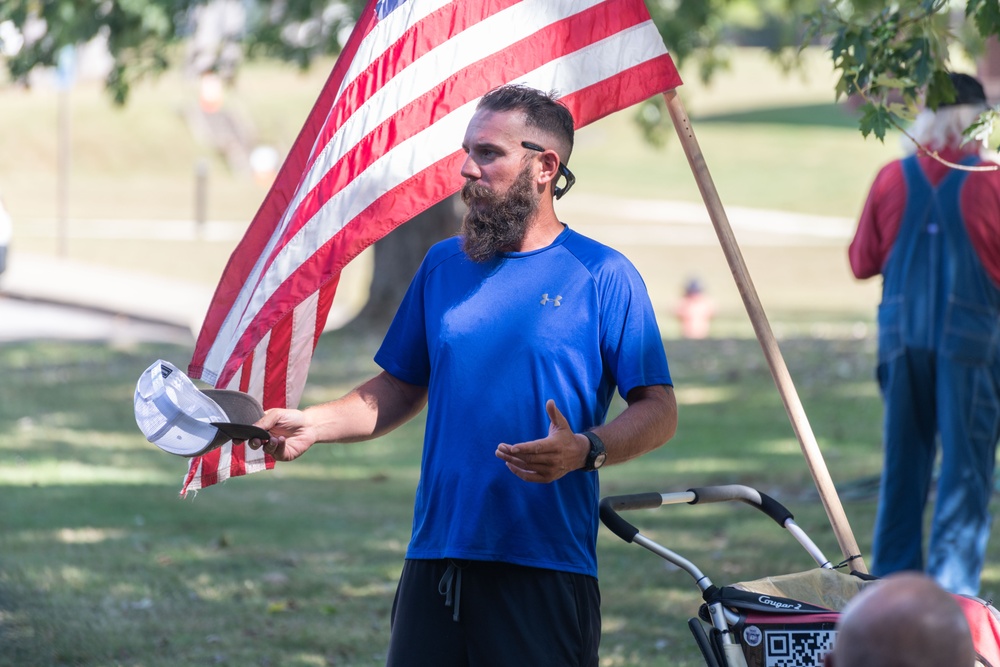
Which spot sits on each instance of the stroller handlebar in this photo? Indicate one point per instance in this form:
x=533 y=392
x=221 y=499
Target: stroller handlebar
x=765 y=503
x=611 y=505
x=616 y=524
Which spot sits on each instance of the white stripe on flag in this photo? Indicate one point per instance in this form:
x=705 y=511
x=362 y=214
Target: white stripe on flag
x=255 y=387
x=301 y=348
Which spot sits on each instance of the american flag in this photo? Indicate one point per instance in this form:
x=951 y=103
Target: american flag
x=382 y=144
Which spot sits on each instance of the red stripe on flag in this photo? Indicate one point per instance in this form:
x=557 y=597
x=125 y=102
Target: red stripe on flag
x=237 y=460
x=326 y=294
x=246 y=372
x=193 y=477
x=209 y=470
x=276 y=364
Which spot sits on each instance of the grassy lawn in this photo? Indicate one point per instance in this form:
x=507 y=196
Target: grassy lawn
x=100 y=562
x=103 y=565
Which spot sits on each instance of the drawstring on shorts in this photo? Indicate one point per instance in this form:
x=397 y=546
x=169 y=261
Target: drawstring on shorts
x=450 y=587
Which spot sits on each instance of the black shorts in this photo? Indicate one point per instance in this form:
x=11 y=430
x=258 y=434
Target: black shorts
x=479 y=614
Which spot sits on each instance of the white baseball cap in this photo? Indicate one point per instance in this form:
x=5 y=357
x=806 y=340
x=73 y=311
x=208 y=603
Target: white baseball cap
x=181 y=419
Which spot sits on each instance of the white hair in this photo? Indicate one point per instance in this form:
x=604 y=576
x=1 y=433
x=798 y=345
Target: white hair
x=942 y=128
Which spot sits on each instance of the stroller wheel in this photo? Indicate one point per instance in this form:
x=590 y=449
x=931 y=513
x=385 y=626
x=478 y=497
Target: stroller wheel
x=701 y=639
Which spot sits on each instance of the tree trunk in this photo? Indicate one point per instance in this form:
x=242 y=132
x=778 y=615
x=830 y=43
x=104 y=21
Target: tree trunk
x=397 y=258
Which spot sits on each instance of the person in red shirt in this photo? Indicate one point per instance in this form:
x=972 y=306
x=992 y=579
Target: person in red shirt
x=931 y=229
x=695 y=311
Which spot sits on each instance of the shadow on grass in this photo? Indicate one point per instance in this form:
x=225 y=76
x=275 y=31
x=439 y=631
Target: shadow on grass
x=824 y=115
x=257 y=572
x=298 y=566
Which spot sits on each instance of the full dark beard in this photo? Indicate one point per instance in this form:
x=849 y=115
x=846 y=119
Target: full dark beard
x=496 y=223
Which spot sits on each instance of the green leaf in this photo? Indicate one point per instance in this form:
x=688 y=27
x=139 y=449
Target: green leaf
x=875 y=119
x=986 y=15
x=940 y=90
x=902 y=110
x=886 y=81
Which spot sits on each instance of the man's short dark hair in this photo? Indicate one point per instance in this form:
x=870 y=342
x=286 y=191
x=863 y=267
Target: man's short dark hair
x=541 y=110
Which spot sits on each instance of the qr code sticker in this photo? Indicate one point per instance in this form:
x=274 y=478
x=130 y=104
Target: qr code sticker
x=798 y=648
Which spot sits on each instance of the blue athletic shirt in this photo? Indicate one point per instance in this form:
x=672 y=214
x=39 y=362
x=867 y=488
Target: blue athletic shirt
x=492 y=342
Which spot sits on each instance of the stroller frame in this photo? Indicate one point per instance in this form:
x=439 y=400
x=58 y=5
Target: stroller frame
x=719 y=648
x=739 y=612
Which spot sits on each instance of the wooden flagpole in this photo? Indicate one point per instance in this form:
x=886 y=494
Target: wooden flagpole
x=797 y=415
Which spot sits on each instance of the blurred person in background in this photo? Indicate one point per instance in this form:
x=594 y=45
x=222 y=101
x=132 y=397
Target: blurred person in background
x=932 y=231
x=695 y=311
x=6 y=230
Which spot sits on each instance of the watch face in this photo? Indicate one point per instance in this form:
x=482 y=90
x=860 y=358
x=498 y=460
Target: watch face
x=599 y=460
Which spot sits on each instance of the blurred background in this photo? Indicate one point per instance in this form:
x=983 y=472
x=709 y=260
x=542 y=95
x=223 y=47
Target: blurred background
x=148 y=164
x=137 y=141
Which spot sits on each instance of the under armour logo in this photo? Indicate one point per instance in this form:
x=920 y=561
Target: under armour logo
x=546 y=299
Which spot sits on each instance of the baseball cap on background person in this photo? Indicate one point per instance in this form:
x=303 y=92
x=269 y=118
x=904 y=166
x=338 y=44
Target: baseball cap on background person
x=182 y=419
x=968 y=90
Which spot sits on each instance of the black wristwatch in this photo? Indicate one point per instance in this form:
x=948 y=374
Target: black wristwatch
x=598 y=454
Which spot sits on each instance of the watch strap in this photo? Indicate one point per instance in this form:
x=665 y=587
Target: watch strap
x=596 y=449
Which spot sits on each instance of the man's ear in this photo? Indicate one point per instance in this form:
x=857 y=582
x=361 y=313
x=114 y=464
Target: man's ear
x=550 y=167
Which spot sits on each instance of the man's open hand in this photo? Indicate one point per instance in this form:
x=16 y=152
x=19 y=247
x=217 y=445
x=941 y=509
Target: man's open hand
x=548 y=459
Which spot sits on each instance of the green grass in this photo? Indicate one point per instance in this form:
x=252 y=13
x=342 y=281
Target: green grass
x=101 y=563
x=800 y=167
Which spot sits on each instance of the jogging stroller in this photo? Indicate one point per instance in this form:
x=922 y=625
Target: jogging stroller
x=781 y=621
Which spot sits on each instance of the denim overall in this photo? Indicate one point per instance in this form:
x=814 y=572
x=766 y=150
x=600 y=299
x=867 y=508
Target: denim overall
x=939 y=371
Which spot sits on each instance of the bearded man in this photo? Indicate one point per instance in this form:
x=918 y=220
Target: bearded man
x=515 y=335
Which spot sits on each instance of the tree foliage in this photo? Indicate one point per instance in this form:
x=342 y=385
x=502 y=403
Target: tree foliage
x=703 y=32
x=893 y=55
x=142 y=35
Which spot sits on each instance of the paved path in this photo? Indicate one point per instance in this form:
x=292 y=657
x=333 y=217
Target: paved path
x=32 y=320
x=182 y=304
x=671 y=223
x=71 y=282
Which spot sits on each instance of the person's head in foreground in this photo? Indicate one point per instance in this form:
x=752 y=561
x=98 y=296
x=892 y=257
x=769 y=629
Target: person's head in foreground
x=905 y=620
x=518 y=143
